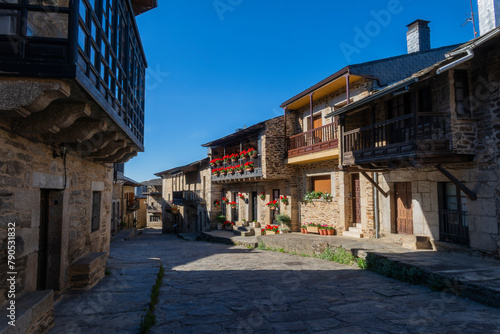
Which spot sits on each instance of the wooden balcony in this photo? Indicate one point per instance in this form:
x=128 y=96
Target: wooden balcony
x=411 y=136
x=312 y=141
x=238 y=177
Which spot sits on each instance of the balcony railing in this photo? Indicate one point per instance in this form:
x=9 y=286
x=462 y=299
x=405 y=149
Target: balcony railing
x=315 y=140
x=399 y=136
x=256 y=172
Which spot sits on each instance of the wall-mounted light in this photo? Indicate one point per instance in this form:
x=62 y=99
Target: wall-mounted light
x=61 y=151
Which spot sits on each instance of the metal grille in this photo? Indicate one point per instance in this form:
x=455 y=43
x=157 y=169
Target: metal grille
x=454 y=226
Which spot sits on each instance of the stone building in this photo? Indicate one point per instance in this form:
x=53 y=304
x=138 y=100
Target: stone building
x=314 y=147
x=433 y=139
x=187 y=197
x=154 y=202
x=268 y=177
x=71 y=105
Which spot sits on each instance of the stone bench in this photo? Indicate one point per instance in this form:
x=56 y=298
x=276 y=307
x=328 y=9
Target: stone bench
x=87 y=270
x=33 y=313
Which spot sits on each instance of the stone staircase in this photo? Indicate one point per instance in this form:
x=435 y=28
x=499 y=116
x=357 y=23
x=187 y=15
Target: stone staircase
x=354 y=232
x=243 y=231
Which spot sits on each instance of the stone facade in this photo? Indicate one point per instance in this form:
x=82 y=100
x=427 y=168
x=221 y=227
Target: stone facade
x=195 y=207
x=28 y=168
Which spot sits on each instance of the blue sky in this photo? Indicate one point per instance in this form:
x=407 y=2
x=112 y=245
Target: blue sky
x=215 y=66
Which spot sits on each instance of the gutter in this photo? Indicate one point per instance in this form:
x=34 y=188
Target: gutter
x=468 y=49
x=470 y=55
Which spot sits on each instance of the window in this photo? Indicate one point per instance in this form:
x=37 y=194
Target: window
x=398 y=106
x=154 y=219
x=453 y=215
x=462 y=93
x=96 y=210
x=8 y=21
x=321 y=183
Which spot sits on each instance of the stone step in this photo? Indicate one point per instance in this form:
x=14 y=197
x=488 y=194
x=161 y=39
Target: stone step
x=355 y=230
x=243 y=231
x=352 y=234
x=359 y=225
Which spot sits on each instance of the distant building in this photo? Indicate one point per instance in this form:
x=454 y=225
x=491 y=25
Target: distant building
x=187 y=198
x=152 y=189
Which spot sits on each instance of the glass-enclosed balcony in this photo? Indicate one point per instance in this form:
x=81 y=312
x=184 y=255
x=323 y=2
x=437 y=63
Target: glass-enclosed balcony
x=95 y=42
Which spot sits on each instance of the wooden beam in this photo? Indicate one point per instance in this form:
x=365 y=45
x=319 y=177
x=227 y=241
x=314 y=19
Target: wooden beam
x=472 y=195
x=374 y=184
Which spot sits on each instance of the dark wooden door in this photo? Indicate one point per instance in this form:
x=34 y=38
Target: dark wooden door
x=234 y=211
x=404 y=210
x=49 y=240
x=356 y=199
x=254 y=206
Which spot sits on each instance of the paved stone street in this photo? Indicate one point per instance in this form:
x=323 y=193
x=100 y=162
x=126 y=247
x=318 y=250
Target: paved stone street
x=214 y=288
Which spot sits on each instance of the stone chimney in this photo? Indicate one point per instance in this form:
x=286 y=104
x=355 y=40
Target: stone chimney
x=489 y=15
x=418 y=36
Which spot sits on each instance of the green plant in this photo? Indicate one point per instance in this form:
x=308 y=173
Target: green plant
x=262 y=196
x=220 y=219
x=309 y=196
x=262 y=246
x=149 y=319
x=283 y=219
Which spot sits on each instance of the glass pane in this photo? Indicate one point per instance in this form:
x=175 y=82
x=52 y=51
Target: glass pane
x=50 y=25
x=9 y=1
x=8 y=21
x=54 y=3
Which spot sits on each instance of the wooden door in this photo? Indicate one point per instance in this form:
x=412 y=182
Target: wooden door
x=317 y=123
x=404 y=210
x=356 y=199
x=254 y=206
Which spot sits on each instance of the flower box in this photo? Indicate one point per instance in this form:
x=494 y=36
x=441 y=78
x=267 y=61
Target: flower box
x=312 y=229
x=270 y=232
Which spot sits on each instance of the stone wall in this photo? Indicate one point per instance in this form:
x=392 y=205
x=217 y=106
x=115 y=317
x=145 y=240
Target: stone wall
x=27 y=167
x=274 y=149
x=482 y=213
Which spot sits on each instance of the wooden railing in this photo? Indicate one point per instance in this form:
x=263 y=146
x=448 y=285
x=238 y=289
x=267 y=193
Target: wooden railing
x=314 y=140
x=401 y=133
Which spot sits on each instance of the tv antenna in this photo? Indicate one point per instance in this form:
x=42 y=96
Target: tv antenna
x=472 y=19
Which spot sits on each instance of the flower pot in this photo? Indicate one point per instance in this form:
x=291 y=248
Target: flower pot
x=255 y=224
x=330 y=232
x=229 y=227
x=312 y=229
x=234 y=159
x=254 y=155
x=270 y=232
x=323 y=232
x=249 y=169
x=272 y=208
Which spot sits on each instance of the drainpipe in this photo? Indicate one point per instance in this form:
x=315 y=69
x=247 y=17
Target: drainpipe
x=375 y=201
x=284 y=133
x=470 y=55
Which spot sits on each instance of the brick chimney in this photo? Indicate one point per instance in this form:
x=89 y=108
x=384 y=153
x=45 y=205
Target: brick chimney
x=418 y=36
x=489 y=15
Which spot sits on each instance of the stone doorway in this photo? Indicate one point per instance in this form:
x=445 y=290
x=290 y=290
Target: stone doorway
x=49 y=240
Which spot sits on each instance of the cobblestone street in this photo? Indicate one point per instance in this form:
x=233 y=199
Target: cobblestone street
x=214 y=288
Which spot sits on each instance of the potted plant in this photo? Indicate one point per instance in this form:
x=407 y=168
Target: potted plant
x=218 y=162
x=322 y=229
x=251 y=152
x=303 y=229
x=232 y=204
x=174 y=208
x=223 y=171
x=245 y=223
x=284 y=229
x=241 y=196
x=313 y=228
x=230 y=170
x=226 y=158
x=330 y=230
x=273 y=205
x=284 y=220
x=225 y=200
x=326 y=197
x=239 y=169
x=215 y=171
x=220 y=219
x=255 y=224
x=270 y=229
x=262 y=196
x=234 y=157
x=216 y=203
x=213 y=162
x=284 y=200
x=243 y=154
x=249 y=166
